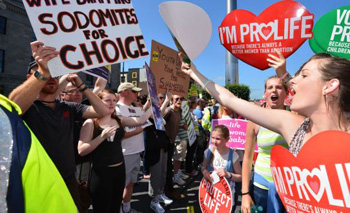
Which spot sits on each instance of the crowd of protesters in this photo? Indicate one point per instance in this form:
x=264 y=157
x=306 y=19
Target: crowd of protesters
x=102 y=135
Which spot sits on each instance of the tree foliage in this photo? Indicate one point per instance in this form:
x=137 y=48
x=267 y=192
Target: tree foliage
x=240 y=90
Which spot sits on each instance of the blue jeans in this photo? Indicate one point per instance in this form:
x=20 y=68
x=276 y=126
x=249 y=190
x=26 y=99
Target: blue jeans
x=274 y=203
x=260 y=198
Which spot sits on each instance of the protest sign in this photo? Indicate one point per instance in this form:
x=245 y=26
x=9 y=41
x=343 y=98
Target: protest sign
x=251 y=38
x=332 y=33
x=237 y=128
x=191 y=131
x=100 y=72
x=215 y=197
x=137 y=112
x=166 y=67
x=318 y=178
x=87 y=34
x=190 y=26
x=155 y=104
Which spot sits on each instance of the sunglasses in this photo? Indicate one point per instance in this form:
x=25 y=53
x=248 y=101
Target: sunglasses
x=134 y=91
x=176 y=99
x=161 y=97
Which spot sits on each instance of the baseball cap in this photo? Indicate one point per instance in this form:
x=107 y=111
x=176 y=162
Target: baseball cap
x=127 y=85
x=30 y=66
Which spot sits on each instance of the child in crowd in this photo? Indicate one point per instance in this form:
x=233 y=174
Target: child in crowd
x=222 y=159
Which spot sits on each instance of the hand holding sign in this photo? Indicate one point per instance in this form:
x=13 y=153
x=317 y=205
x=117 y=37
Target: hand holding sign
x=251 y=38
x=317 y=180
x=42 y=54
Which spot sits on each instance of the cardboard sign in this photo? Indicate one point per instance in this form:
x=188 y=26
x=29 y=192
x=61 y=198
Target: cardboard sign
x=152 y=91
x=189 y=25
x=166 y=67
x=284 y=25
x=87 y=34
x=331 y=33
x=191 y=131
x=318 y=179
x=215 y=197
x=237 y=128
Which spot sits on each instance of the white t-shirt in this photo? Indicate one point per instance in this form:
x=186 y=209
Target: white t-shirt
x=135 y=143
x=220 y=162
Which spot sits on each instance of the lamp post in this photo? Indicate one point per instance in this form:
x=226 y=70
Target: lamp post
x=231 y=68
x=122 y=75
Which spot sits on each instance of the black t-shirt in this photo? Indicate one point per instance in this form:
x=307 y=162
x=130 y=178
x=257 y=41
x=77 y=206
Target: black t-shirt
x=54 y=129
x=109 y=152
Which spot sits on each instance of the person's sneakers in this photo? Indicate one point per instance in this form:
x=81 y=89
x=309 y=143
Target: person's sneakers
x=182 y=175
x=156 y=207
x=175 y=195
x=164 y=199
x=130 y=211
x=193 y=173
x=178 y=180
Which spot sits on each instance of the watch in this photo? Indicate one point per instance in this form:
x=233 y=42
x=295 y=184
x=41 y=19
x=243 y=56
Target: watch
x=40 y=76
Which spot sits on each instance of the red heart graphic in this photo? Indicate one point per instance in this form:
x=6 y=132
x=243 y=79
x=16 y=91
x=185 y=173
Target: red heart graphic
x=318 y=179
x=284 y=25
x=314 y=184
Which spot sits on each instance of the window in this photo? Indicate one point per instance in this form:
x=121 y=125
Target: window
x=2 y=61
x=2 y=25
x=123 y=78
x=134 y=75
x=134 y=83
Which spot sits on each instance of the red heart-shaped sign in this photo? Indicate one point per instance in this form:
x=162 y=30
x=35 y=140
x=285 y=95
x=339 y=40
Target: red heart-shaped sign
x=284 y=25
x=318 y=179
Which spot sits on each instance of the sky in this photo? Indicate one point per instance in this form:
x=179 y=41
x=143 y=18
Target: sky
x=211 y=62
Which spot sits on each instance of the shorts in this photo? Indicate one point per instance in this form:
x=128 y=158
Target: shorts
x=180 y=151
x=132 y=168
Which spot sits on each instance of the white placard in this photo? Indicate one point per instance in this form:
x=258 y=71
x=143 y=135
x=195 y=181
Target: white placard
x=87 y=35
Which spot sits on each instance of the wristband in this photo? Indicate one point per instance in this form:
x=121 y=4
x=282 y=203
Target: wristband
x=230 y=176
x=83 y=89
x=285 y=77
x=205 y=84
x=245 y=193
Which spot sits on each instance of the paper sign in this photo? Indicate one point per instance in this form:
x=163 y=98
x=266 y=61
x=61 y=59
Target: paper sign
x=215 y=177
x=237 y=128
x=189 y=24
x=137 y=113
x=152 y=91
x=166 y=67
x=331 y=33
x=191 y=131
x=318 y=179
x=215 y=197
x=284 y=25
x=87 y=34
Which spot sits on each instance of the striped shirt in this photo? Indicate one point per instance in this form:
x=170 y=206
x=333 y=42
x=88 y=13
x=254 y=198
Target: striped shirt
x=266 y=139
x=182 y=133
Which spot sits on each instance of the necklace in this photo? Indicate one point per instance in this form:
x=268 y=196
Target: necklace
x=47 y=102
